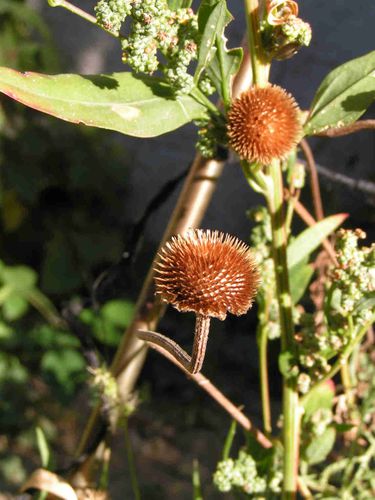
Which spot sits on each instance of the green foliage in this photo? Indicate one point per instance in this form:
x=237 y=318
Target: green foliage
x=219 y=63
x=108 y=324
x=311 y=238
x=343 y=96
x=141 y=107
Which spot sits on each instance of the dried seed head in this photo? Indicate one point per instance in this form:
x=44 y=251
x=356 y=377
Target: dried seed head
x=263 y=124
x=208 y=272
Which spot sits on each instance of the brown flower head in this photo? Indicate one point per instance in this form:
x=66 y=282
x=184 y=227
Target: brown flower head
x=208 y=272
x=263 y=124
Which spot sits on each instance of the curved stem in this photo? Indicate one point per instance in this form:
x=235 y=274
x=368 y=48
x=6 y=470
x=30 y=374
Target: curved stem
x=206 y=385
x=192 y=364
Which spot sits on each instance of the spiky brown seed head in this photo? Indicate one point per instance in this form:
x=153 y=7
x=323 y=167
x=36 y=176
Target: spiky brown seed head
x=263 y=124
x=208 y=272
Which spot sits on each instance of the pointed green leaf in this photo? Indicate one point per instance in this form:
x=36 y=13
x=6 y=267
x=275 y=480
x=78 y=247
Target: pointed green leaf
x=136 y=106
x=43 y=447
x=310 y=239
x=299 y=277
x=223 y=67
x=344 y=95
x=210 y=27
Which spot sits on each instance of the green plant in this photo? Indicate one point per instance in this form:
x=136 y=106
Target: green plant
x=189 y=51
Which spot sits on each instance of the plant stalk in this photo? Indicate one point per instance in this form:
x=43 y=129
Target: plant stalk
x=264 y=382
x=290 y=394
x=260 y=64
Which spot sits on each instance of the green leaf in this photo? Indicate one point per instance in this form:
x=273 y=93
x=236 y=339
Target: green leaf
x=209 y=27
x=223 y=67
x=310 y=239
x=318 y=398
x=118 y=312
x=344 y=95
x=43 y=447
x=299 y=277
x=134 y=105
x=14 y=307
x=19 y=277
x=320 y=446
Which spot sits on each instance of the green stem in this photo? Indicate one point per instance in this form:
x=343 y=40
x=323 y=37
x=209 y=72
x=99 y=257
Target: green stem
x=130 y=456
x=79 y=12
x=260 y=65
x=264 y=382
x=202 y=99
x=290 y=395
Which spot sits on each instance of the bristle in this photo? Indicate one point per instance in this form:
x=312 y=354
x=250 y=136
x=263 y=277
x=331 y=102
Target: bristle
x=263 y=124
x=208 y=272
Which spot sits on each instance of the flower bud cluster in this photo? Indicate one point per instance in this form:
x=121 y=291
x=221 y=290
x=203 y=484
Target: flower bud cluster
x=156 y=32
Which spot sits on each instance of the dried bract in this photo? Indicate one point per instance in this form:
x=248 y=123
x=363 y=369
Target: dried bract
x=263 y=124
x=208 y=272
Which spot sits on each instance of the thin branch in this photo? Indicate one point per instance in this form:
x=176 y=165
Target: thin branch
x=347 y=129
x=207 y=386
x=314 y=178
x=357 y=184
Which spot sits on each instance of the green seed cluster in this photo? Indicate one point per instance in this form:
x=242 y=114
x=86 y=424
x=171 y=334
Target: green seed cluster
x=240 y=473
x=348 y=306
x=159 y=38
x=286 y=39
x=110 y=14
x=261 y=237
x=211 y=135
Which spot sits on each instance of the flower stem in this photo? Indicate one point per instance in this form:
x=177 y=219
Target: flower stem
x=264 y=382
x=260 y=65
x=290 y=394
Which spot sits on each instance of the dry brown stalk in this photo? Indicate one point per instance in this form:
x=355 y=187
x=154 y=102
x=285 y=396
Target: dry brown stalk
x=348 y=129
x=315 y=188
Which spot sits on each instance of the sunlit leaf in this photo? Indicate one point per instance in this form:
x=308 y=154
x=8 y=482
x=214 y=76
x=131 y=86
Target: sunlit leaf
x=319 y=448
x=344 y=95
x=299 y=277
x=310 y=239
x=211 y=20
x=133 y=105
